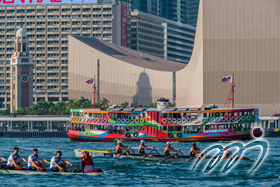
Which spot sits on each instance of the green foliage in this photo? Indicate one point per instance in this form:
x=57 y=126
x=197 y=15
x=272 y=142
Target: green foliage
x=60 y=108
x=135 y=105
x=124 y=105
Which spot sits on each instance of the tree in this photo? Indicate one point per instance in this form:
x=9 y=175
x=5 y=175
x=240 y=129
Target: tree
x=105 y=102
x=124 y=105
x=7 y=111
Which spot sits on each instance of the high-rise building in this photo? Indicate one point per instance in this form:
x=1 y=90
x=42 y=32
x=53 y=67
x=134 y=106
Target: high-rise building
x=47 y=27
x=192 y=12
x=174 y=10
x=161 y=37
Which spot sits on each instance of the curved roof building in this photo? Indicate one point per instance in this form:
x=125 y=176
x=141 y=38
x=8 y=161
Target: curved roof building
x=240 y=37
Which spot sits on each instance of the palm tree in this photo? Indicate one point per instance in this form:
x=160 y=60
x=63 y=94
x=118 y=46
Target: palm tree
x=124 y=105
x=105 y=102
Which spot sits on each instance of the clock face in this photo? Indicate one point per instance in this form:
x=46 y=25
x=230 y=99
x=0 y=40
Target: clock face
x=24 y=78
x=14 y=78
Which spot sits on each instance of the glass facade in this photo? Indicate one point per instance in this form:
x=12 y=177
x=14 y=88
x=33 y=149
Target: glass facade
x=192 y=12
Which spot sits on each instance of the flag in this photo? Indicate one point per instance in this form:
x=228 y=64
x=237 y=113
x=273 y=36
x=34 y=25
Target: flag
x=90 y=81
x=227 y=79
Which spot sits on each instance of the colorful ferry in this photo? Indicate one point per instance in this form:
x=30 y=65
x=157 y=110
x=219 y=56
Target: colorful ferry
x=162 y=125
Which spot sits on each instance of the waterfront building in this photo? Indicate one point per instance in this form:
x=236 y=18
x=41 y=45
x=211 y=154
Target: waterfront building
x=21 y=76
x=161 y=37
x=47 y=27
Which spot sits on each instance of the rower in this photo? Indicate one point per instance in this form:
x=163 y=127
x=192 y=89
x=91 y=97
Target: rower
x=14 y=159
x=3 y=159
x=86 y=162
x=194 y=150
x=120 y=147
x=227 y=153
x=168 y=148
x=58 y=163
x=35 y=161
x=142 y=147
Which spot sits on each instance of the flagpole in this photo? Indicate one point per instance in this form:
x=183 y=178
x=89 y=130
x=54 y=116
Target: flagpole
x=232 y=90
x=94 y=89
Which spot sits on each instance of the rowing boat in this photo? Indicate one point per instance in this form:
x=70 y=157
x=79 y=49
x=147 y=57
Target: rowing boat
x=156 y=157
x=25 y=171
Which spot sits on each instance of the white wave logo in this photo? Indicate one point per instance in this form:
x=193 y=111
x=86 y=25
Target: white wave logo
x=235 y=156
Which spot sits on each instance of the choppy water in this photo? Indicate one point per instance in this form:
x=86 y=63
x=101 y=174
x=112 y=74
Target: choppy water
x=141 y=173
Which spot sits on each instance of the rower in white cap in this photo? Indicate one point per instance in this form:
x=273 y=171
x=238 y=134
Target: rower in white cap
x=168 y=148
x=120 y=147
x=142 y=147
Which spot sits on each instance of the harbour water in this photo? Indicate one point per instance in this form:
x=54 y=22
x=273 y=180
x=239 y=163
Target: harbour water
x=141 y=173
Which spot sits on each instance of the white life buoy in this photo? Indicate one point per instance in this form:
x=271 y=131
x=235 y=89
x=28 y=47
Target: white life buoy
x=142 y=120
x=253 y=118
x=184 y=120
x=174 y=120
x=179 y=120
x=204 y=120
x=248 y=117
x=119 y=120
x=132 y=121
x=137 y=121
x=164 y=120
x=105 y=120
x=127 y=121
x=169 y=120
x=189 y=120
x=123 y=120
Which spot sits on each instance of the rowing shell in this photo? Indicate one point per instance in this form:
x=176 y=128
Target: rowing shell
x=109 y=153
x=13 y=171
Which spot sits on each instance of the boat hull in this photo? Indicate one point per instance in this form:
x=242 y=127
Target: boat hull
x=78 y=136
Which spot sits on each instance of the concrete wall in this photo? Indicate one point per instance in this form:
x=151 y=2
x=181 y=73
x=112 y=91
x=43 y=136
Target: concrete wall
x=119 y=81
x=240 y=37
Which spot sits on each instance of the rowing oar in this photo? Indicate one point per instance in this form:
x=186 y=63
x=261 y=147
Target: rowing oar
x=148 y=154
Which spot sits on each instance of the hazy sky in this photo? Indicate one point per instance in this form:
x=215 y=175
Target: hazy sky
x=26 y=2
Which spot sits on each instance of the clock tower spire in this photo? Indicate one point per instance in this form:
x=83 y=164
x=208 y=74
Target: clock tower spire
x=21 y=73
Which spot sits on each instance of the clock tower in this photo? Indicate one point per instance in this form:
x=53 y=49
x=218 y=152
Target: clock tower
x=21 y=73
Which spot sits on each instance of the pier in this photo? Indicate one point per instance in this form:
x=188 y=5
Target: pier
x=270 y=125
x=46 y=126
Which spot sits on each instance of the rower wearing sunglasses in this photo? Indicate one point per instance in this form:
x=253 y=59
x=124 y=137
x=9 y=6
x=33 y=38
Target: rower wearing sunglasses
x=59 y=164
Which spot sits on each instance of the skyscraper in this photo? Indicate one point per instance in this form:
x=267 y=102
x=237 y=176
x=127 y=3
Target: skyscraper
x=174 y=10
x=192 y=12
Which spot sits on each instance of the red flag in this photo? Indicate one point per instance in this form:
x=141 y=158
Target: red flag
x=227 y=79
x=90 y=81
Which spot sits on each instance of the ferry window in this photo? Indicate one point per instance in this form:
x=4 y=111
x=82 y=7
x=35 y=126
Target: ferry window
x=178 y=128
x=204 y=115
x=94 y=115
x=235 y=114
x=81 y=114
x=228 y=114
x=164 y=115
x=217 y=114
x=164 y=128
x=222 y=114
x=210 y=114
x=240 y=113
x=245 y=113
x=86 y=114
x=253 y=113
x=99 y=115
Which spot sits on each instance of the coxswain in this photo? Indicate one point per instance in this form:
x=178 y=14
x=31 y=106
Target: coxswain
x=194 y=150
x=35 y=161
x=227 y=153
x=168 y=148
x=59 y=164
x=14 y=159
x=3 y=159
x=120 y=147
x=142 y=147
x=86 y=162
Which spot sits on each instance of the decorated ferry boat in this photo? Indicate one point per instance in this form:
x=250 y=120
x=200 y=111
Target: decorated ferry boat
x=170 y=124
